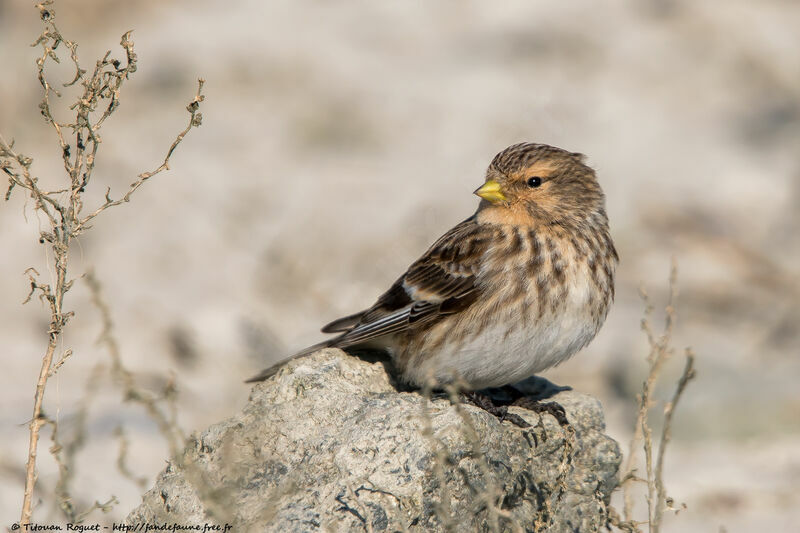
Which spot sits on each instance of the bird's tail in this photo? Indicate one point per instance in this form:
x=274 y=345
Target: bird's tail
x=269 y=372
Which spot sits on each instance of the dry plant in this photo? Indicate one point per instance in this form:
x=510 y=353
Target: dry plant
x=64 y=454
x=165 y=419
x=489 y=499
x=63 y=208
x=661 y=351
x=441 y=458
x=159 y=407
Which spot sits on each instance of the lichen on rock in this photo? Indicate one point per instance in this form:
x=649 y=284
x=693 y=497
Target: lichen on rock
x=330 y=444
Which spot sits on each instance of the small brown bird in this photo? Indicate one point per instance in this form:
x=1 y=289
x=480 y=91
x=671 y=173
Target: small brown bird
x=516 y=288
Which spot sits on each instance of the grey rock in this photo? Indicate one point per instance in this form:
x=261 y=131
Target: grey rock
x=330 y=444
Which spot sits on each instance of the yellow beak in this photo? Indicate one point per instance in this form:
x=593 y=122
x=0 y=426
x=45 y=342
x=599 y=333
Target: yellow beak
x=491 y=191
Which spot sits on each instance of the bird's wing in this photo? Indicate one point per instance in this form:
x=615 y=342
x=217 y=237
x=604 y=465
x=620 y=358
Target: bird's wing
x=442 y=282
x=343 y=324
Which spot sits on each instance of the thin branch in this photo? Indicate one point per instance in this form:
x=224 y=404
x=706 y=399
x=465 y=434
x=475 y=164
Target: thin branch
x=66 y=355
x=22 y=177
x=131 y=391
x=441 y=458
x=687 y=375
x=99 y=95
x=195 y=119
x=122 y=459
x=492 y=493
x=64 y=455
x=660 y=352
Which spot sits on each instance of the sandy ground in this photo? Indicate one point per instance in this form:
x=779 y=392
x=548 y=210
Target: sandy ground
x=339 y=141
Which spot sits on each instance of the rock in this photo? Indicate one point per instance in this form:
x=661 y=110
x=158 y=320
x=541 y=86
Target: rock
x=330 y=444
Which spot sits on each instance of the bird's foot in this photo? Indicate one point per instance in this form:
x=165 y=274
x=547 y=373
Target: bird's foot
x=555 y=409
x=517 y=399
x=485 y=402
x=539 y=407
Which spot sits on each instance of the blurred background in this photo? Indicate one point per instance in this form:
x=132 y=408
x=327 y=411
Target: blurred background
x=339 y=140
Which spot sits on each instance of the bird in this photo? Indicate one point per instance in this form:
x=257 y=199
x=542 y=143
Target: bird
x=518 y=287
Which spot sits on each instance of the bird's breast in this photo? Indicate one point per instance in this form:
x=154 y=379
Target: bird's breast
x=543 y=297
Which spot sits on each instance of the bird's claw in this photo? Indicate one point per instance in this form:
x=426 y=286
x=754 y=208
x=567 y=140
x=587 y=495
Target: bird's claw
x=485 y=402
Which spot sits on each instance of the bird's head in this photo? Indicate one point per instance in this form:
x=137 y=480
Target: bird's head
x=535 y=184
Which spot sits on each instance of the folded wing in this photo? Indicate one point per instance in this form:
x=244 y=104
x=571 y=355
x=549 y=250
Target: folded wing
x=442 y=282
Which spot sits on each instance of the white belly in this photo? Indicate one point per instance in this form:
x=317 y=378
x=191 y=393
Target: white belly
x=510 y=350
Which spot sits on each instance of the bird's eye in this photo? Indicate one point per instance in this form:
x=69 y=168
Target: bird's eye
x=534 y=182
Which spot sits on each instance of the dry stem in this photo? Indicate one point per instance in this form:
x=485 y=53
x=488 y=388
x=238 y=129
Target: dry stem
x=491 y=496
x=443 y=508
x=79 y=141
x=660 y=352
x=122 y=459
x=166 y=422
x=65 y=454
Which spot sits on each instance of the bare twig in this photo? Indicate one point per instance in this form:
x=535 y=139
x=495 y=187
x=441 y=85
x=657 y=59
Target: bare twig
x=660 y=352
x=79 y=141
x=441 y=458
x=122 y=459
x=65 y=454
x=195 y=119
x=669 y=409
x=166 y=422
x=105 y=507
x=66 y=355
x=490 y=497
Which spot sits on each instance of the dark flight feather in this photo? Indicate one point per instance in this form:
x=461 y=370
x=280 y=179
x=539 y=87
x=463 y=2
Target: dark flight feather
x=441 y=283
